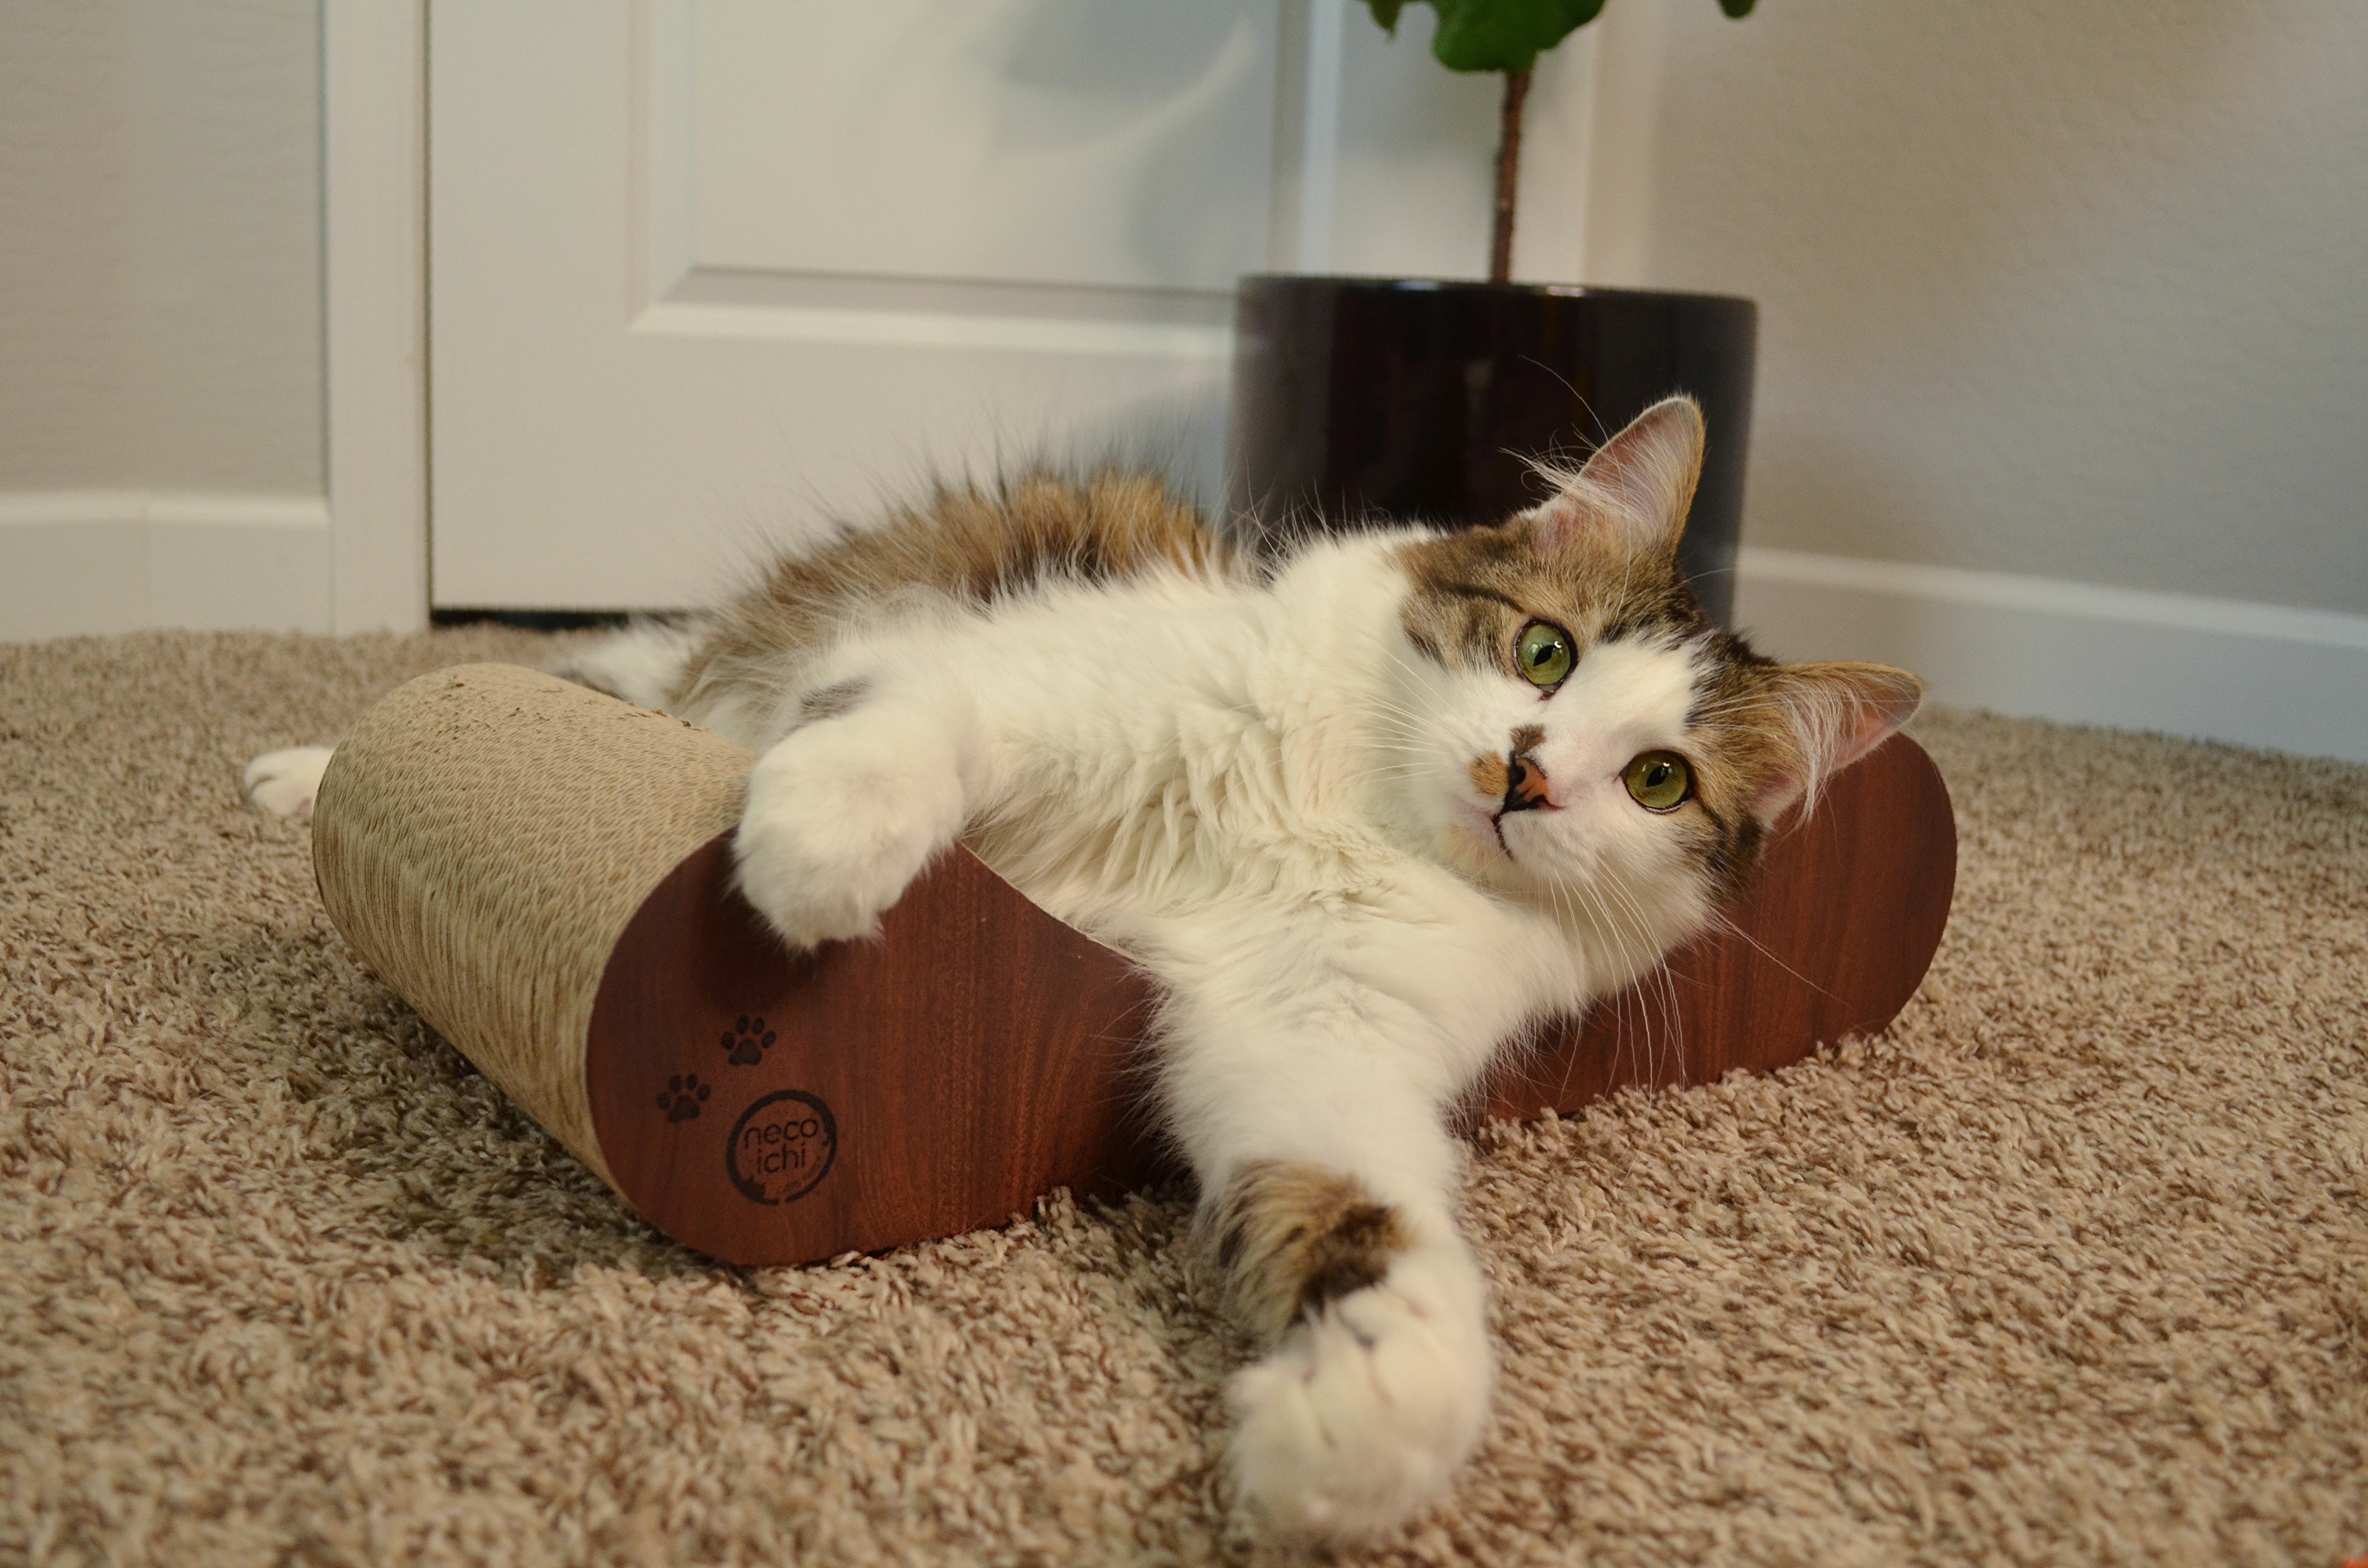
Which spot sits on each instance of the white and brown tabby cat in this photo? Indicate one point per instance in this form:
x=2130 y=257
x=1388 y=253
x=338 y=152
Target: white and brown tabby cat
x=1369 y=813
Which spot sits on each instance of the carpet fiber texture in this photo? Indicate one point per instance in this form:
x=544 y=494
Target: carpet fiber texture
x=2071 y=1266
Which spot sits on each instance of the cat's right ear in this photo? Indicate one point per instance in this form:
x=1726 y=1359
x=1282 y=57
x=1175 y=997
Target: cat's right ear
x=1836 y=713
x=1638 y=485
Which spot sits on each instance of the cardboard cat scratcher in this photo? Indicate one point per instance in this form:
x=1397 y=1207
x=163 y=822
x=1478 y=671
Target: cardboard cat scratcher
x=543 y=872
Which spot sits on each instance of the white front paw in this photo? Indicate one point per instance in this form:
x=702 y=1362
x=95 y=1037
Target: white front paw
x=840 y=821
x=283 y=783
x=1362 y=1415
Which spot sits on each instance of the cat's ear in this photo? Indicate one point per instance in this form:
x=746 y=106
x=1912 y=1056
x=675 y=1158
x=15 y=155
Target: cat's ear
x=1835 y=714
x=1639 y=484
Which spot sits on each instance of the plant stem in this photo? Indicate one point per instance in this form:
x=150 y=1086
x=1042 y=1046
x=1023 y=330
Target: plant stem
x=1509 y=175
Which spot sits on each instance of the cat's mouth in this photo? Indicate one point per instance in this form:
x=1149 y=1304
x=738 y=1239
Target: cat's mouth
x=1497 y=822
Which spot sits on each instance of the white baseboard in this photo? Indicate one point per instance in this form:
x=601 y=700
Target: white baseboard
x=76 y=563
x=2258 y=674
x=83 y=562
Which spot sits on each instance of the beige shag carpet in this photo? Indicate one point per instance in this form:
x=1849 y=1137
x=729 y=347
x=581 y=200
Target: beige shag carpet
x=2070 y=1266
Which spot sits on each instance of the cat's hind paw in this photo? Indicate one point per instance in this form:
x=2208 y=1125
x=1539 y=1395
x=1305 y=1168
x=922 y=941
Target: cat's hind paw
x=283 y=783
x=837 y=827
x=1363 y=1415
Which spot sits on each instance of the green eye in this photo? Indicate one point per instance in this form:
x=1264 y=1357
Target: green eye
x=1660 y=780
x=1544 y=653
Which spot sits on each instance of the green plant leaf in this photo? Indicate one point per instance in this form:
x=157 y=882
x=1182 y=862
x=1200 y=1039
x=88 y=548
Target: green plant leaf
x=1505 y=35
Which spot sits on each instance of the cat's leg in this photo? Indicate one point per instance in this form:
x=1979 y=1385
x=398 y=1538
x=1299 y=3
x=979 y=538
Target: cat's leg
x=639 y=663
x=1327 y=1181
x=844 y=813
x=643 y=664
x=283 y=783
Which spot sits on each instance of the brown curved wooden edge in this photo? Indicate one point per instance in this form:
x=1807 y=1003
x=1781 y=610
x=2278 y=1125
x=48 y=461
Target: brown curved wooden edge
x=769 y=1109
x=766 y=1108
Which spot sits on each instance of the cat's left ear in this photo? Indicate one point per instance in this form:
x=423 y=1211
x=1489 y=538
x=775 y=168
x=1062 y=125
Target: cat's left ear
x=1639 y=484
x=1836 y=713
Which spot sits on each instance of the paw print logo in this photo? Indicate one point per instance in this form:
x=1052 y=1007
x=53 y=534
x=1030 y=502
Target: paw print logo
x=748 y=1041
x=682 y=1095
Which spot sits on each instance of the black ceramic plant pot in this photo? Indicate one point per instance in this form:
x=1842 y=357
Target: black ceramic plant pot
x=1364 y=399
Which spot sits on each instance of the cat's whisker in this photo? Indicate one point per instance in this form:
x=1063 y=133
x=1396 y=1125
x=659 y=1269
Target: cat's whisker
x=1650 y=999
x=1598 y=921
x=1619 y=996
x=1662 y=979
x=1661 y=993
x=1726 y=925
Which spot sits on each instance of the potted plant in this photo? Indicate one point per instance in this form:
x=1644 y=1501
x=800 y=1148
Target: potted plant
x=1362 y=398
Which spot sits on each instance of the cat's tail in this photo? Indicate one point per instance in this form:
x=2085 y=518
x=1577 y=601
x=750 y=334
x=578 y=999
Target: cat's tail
x=643 y=664
x=283 y=783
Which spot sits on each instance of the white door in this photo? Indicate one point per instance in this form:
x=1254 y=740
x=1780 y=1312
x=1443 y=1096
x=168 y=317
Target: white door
x=705 y=274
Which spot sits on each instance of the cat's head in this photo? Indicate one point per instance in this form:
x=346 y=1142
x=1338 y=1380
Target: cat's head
x=1571 y=728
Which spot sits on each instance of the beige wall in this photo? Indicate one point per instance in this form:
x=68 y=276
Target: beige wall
x=160 y=255
x=2065 y=287
x=2062 y=288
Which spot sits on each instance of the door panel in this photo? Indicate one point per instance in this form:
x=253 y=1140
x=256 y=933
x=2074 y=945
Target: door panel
x=1075 y=142
x=705 y=275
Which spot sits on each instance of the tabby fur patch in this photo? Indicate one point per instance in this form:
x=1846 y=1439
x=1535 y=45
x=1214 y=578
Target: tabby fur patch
x=968 y=544
x=1293 y=1237
x=1474 y=591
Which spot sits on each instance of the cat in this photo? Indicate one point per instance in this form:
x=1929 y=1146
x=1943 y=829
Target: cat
x=1370 y=809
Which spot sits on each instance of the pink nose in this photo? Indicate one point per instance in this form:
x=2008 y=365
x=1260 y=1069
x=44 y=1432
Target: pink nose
x=1526 y=788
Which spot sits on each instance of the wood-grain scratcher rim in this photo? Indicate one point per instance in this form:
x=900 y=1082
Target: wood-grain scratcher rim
x=482 y=840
